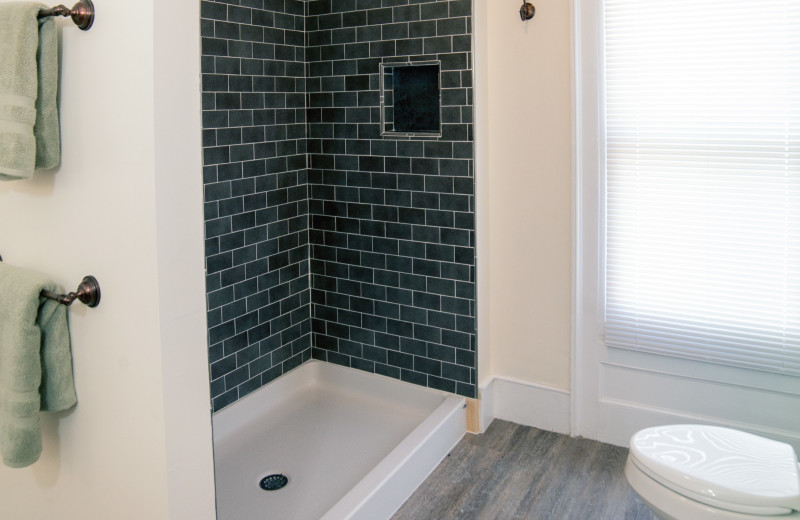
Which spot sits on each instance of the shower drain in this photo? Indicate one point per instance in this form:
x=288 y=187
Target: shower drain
x=273 y=482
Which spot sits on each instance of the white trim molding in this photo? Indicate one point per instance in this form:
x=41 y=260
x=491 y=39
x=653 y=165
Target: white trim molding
x=615 y=392
x=586 y=212
x=525 y=403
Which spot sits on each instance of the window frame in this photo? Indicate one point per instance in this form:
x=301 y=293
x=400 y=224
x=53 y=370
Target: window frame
x=590 y=357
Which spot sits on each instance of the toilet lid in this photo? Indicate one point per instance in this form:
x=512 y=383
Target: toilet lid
x=720 y=466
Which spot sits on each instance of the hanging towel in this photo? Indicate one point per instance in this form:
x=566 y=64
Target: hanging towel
x=29 y=131
x=35 y=362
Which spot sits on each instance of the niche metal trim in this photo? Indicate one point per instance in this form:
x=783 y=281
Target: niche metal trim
x=382 y=77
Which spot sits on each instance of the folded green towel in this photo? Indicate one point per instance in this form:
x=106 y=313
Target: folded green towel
x=29 y=131
x=35 y=362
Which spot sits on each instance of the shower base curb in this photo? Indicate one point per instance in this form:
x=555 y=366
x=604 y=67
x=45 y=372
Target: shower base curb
x=354 y=445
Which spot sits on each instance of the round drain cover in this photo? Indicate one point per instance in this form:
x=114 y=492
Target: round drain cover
x=273 y=482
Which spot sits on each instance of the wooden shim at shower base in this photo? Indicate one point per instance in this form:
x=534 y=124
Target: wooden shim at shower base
x=473 y=415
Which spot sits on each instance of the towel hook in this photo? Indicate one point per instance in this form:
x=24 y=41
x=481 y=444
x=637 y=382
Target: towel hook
x=527 y=11
x=82 y=13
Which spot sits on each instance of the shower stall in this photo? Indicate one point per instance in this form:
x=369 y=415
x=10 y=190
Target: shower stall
x=339 y=204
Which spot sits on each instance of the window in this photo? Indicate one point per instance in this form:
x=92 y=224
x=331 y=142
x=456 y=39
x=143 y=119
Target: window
x=702 y=180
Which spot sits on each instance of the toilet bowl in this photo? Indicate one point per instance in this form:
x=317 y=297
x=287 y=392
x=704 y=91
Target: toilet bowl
x=696 y=472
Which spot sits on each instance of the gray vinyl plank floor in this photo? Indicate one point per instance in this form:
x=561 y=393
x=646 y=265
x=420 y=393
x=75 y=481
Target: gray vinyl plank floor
x=518 y=472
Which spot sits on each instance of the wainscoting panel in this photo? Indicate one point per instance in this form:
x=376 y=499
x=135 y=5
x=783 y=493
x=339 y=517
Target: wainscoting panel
x=675 y=398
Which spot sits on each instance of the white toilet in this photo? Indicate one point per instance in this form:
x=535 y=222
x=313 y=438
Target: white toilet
x=694 y=472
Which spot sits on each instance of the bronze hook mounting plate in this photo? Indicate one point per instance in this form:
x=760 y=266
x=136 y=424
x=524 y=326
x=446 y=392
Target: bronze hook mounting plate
x=82 y=14
x=89 y=291
x=527 y=11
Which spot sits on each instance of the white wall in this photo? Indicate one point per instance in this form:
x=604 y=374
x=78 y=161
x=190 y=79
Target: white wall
x=138 y=443
x=125 y=205
x=181 y=267
x=523 y=173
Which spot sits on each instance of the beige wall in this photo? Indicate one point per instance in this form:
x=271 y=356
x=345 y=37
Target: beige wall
x=524 y=179
x=125 y=205
x=138 y=443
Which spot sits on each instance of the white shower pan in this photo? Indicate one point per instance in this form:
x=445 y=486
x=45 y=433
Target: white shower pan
x=353 y=445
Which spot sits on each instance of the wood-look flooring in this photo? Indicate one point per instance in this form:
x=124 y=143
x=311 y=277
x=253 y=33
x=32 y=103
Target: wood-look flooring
x=518 y=472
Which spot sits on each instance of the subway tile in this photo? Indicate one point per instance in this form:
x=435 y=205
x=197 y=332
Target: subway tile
x=378 y=49
x=460 y=8
x=240 y=49
x=422 y=29
x=354 y=18
x=451 y=26
x=206 y=31
x=394 y=31
x=438 y=383
x=409 y=47
x=387 y=370
x=362 y=364
x=441 y=353
x=406 y=13
x=434 y=10
x=410 y=376
x=386 y=223
x=223 y=400
x=368 y=33
x=427 y=366
x=262 y=18
x=463 y=44
x=214 y=47
x=213 y=10
x=437 y=45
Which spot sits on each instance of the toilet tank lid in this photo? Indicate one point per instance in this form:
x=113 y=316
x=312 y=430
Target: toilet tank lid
x=725 y=465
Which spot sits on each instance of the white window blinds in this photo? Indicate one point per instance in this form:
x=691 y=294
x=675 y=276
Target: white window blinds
x=702 y=114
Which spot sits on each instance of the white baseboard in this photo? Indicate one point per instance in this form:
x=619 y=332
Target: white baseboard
x=548 y=408
x=525 y=403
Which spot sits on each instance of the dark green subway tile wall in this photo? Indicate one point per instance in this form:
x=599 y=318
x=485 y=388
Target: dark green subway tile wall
x=392 y=219
x=323 y=238
x=256 y=192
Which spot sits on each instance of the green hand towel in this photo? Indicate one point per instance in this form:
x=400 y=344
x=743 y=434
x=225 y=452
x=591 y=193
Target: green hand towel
x=29 y=131
x=35 y=362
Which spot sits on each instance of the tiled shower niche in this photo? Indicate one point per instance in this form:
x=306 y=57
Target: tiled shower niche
x=325 y=239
